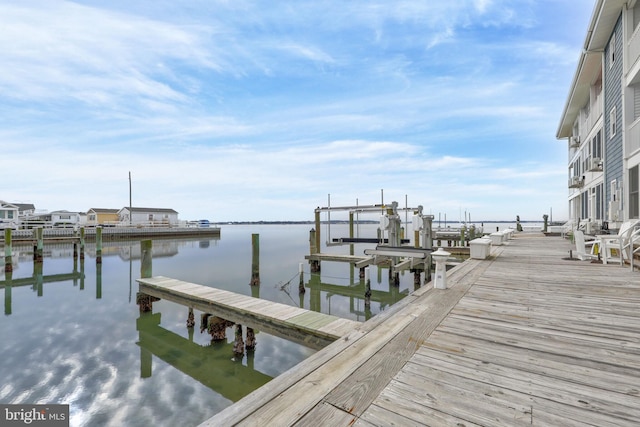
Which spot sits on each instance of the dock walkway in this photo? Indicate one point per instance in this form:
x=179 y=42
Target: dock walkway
x=526 y=337
x=311 y=328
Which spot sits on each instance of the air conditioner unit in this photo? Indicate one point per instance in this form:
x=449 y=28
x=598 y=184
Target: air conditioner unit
x=595 y=164
x=576 y=181
x=574 y=141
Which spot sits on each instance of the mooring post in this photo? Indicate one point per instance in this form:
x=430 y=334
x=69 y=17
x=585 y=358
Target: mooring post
x=317 y=234
x=38 y=255
x=255 y=260
x=143 y=300
x=301 y=288
x=8 y=251
x=313 y=249
x=351 y=235
x=440 y=257
x=99 y=245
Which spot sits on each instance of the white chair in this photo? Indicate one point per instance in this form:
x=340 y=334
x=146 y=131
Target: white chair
x=633 y=240
x=582 y=245
x=617 y=246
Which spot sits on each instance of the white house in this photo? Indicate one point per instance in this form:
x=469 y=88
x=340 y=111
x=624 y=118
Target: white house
x=8 y=215
x=64 y=218
x=153 y=217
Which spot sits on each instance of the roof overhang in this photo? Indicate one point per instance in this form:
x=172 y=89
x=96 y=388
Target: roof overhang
x=603 y=20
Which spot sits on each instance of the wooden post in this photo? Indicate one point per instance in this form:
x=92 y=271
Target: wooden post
x=146 y=261
x=313 y=249
x=317 y=234
x=217 y=328
x=38 y=255
x=301 y=288
x=99 y=245
x=351 y=246
x=416 y=238
x=8 y=251
x=255 y=260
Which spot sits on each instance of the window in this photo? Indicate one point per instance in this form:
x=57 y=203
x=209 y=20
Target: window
x=10 y=214
x=612 y=50
x=585 y=205
x=599 y=199
x=596 y=145
x=150 y=217
x=634 y=196
x=612 y=123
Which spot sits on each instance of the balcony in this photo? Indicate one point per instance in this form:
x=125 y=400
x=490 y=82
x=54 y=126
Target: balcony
x=576 y=182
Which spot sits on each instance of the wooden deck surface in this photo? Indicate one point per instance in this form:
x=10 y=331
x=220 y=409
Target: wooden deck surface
x=524 y=338
x=316 y=330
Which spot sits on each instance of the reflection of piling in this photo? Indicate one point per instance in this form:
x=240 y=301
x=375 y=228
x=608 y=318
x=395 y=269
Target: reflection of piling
x=146 y=262
x=301 y=288
x=250 y=344
x=81 y=242
x=8 y=251
x=314 y=249
x=255 y=260
x=191 y=321
x=99 y=281
x=98 y=245
x=7 y=293
x=367 y=287
x=38 y=277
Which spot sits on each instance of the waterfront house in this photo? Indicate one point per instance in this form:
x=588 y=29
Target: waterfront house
x=8 y=215
x=102 y=216
x=25 y=209
x=601 y=119
x=154 y=217
x=64 y=218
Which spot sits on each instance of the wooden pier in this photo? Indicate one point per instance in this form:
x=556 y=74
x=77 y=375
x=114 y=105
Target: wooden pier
x=527 y=337
x=315 y=330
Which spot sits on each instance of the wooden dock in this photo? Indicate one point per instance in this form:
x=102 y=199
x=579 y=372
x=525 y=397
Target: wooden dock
x=313 y=329
x=526 y=337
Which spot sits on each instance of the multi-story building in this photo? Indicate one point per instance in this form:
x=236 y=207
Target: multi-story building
x=601 y=119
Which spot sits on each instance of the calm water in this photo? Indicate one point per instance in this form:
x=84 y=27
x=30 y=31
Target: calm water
x=80 y=339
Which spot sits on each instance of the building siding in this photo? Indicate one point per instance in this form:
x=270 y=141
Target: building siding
x=613 y=99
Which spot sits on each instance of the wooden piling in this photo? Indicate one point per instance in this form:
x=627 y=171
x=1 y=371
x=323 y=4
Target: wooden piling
x=367 y=287
x=99 y=280
x=8 y=251
x=255 y=260
x=39 y=249
x=301 y=288
x=313 y=249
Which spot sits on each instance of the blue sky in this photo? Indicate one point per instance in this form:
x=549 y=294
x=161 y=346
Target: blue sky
x=247 y=110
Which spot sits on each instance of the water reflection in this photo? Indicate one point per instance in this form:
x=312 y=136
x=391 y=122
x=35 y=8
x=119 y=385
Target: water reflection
x=114 y=366
x=211 y=365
